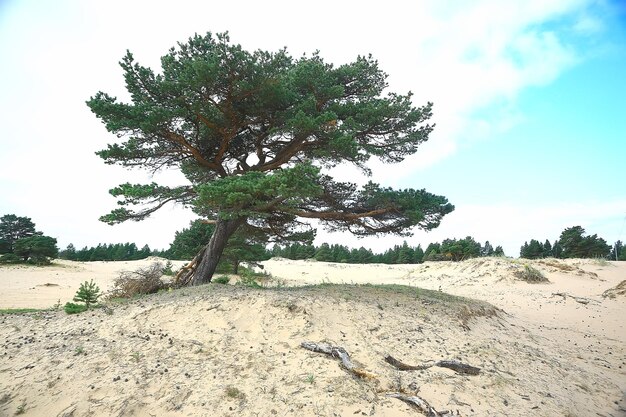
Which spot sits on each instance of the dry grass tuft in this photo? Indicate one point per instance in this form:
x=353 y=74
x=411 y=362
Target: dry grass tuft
x=561 y=266
x=531 y=275
x=619 y=289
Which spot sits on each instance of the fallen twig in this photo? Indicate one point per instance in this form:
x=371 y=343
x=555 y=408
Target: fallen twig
x=456 y=366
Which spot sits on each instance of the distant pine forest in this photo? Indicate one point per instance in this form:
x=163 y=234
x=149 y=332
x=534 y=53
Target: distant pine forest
x=20 y=242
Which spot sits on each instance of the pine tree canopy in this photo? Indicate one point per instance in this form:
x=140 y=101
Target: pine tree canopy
x=253 y=133
x=227 y=117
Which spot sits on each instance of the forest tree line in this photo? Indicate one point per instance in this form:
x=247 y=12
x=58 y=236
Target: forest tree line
x=573 y=243
x=21 y=242
x=449 y=249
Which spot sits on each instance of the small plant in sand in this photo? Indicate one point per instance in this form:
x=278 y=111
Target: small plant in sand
x=87 y=293
x=249 y=281
x=531 y=274
x=602 y=262
x=72 y=308
x=234 y=392
x=21 y=409
x=168 y=269
x=224 y=279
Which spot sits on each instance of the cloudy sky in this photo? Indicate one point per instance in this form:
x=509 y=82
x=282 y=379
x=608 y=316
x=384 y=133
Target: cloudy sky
x=530 y=105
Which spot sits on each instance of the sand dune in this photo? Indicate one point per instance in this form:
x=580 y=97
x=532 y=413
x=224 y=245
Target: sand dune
x=554 y=349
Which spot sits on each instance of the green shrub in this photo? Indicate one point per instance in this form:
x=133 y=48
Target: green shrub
x=71 y=308
x=249 y=281
x=222 y=280
x=10 y=258
x=39 y=260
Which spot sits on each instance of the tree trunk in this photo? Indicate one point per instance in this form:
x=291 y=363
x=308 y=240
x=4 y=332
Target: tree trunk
x=209 y=257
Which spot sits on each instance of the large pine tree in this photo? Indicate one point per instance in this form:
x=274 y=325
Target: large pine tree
x=252 y=133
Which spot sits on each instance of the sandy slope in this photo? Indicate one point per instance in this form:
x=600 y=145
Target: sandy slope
x=232 y=351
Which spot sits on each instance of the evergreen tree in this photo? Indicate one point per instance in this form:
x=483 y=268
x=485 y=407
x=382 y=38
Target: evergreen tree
x=69 y=253
x=616 y=251
x=433 y=252
x=250 y=131
x=419 y=255
x=389 y=257
x=188 y=242
x=405 y=254
x=143 y=253
x=571 y=240
x=364 y=256
x=458 y=250
x=532 y=250
x=87 y=293
x=36 y=248
x=323 y=253
x=240 y=249
x=575 y=245
x=547 y=249
x=276 y=251
x=486 y=250
x=13 y=228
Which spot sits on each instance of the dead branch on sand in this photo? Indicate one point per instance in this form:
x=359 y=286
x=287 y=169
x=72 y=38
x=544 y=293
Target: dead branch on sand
x=581 y=300
x=415 y=401
x=420 y=404
x=339 y=353
x=458 y=367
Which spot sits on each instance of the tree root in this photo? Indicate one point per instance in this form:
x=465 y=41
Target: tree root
x=415 y=401
x=458 y=367
x=339 y=353
x=184 y=275
x=420 y=404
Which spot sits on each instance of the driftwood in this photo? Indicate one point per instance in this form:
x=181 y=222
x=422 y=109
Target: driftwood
x=581 y=300
x=339 y=353
x=456 y=366
x=420 y=404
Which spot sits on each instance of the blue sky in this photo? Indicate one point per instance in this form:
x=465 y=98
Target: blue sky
x=530 y=106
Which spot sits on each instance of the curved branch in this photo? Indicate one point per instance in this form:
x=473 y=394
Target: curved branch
x=195 y=153
x=338 y=215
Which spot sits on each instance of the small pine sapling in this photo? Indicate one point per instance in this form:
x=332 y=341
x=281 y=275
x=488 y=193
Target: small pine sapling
x=88 y=293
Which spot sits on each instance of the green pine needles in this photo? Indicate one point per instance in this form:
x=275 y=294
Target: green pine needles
x=255 y=134
x=88 y=293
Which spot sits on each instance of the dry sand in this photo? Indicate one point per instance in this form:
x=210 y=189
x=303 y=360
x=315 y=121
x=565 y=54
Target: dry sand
x=233 y=351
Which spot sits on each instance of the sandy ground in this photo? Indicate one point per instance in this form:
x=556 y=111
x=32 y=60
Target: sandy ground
x=220 y=350
x=26 y=286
